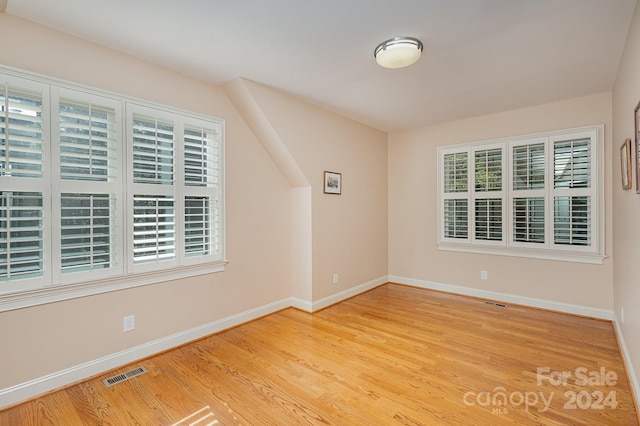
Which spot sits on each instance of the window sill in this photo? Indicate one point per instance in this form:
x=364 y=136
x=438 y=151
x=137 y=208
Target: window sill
x=58 y=293
x=557 y=255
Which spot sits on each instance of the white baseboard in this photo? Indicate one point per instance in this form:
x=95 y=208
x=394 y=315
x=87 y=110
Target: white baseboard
x=537 y=303
x=41 y=385
x=304 y=305
x=508 y=298
x=50 y=382
x=338 y=297
x=626 y=357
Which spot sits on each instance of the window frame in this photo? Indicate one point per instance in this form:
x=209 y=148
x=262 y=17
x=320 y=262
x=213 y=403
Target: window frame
x=488 y=195
x=54 y=285
x=593 y=253
x=60 y=186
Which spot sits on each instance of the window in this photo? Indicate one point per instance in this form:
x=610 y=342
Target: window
x=533 y=196
x=85 y=164
x=99 y=192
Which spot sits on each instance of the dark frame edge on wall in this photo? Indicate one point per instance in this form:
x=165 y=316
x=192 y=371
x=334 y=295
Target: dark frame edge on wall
x=332 y=183
x=626 y=164
x=636 y=127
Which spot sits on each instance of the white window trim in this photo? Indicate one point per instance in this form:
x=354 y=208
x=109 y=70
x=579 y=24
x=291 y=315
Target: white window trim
x=23 y=294
x=594 y=254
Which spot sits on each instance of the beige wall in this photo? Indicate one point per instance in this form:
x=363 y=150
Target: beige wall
x=413 y=210
x=349 y=231
x=626 y=204
x=44 y=339
x=383 y=223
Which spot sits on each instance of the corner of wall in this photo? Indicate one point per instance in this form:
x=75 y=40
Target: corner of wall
x=240 y=96
x=301 y=213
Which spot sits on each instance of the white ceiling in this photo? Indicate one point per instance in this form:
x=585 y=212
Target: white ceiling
x=480 y=56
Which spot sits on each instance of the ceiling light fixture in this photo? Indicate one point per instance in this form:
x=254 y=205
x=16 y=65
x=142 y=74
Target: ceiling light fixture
x=398 y=52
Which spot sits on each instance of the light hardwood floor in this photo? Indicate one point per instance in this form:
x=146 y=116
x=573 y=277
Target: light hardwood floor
x=393 y=355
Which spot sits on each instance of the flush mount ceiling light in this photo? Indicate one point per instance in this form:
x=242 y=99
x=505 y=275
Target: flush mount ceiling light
x=398 y=52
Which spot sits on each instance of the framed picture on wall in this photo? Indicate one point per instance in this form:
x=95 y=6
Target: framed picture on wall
x=636 y=119
x=625 y=164
x=332 y=183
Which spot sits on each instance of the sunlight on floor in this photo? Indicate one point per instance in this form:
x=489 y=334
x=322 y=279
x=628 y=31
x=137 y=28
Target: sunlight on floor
x=202 y=417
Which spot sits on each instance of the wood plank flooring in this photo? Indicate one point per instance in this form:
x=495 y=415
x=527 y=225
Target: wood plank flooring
x=394 y=355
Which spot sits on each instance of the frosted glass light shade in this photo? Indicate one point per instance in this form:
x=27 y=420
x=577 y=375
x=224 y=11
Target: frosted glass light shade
x=398 y=52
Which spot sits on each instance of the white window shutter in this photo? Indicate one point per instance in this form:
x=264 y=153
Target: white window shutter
x=203 y=220
x=21 y=235
x=154 y=233
x=574 y=167
x=538 y=196
x=24 y=224
x=87 y=186
x=153 y=147
x=21 y=133
x=87 y=135
x=88 y=232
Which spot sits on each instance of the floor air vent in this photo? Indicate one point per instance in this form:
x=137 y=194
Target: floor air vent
x=110 y=381
x=499 y=305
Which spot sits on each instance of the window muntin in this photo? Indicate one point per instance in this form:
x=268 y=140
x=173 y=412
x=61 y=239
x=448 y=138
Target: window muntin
x=533 y=196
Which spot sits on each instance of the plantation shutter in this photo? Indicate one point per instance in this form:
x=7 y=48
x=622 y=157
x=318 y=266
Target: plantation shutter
x=154 y=209
x=22 y=173
x=528 y=190
x=99 y=193
x=154 y=231
x=198 y=238
x=488 y=195
x=153 y=150
x=455 y=191
x=573 y=192
x=21 y=139
x=21 y=235
x=87 y=232
x=87 y=141
x=88 y=181
x=202 y=177
x=538 y=196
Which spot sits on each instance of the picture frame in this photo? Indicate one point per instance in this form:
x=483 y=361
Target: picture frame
x=625 y=164
x=332 y=183
x=636 y=119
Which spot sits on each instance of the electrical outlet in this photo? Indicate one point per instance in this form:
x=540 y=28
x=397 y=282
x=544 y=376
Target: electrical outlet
x=335 y=278
x=129 y=323
x=622 y=314
x=484 y=275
